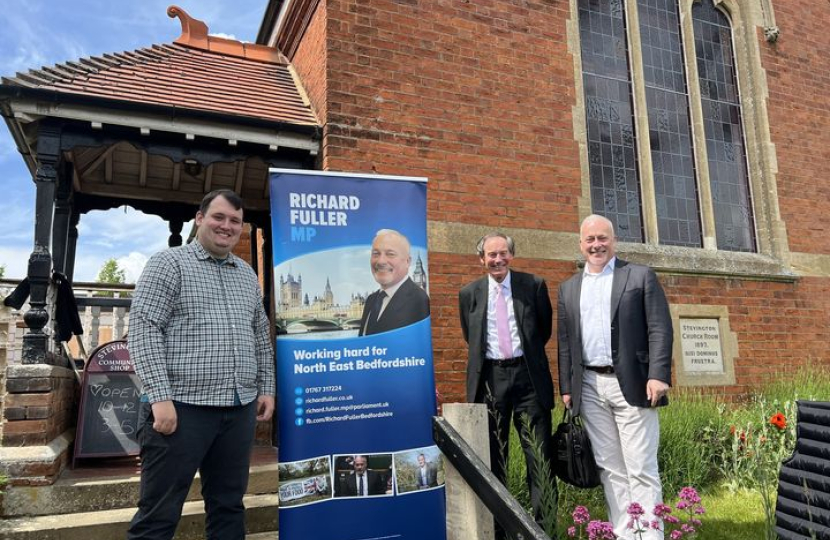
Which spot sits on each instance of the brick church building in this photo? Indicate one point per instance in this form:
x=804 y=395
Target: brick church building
x=697 y=126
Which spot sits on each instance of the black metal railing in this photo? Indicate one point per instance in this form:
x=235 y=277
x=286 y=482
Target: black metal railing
x=515 y=521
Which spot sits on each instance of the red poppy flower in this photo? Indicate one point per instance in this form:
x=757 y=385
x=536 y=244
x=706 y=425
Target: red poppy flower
x=778 y=420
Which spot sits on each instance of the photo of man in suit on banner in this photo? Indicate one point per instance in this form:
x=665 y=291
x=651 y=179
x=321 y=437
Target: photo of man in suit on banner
x=399 y=302
x=362 y=481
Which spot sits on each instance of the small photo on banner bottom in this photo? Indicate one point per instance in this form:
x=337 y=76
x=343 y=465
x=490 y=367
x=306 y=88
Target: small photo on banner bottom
x=305 y=482
x=418 y=469
x=363 y=475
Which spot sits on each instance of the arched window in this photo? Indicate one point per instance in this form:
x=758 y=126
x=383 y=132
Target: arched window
x=723 y=128
x=679 y=174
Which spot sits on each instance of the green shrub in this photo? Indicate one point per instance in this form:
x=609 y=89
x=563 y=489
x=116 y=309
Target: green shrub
x=714 y=446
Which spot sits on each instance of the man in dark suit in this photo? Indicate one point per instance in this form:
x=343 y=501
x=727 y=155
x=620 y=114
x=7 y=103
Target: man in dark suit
x=399 y=302
x=506 y=319
x=426 y=474
x=615 y=347
x=363 y=482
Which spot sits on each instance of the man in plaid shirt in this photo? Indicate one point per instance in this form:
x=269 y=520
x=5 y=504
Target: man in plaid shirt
x=200 y=342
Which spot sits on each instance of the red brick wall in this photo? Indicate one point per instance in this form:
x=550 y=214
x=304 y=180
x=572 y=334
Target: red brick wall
x=798 y=75
x=478 y=96
x=474 y=99
x=310 y=61
x=37 y=409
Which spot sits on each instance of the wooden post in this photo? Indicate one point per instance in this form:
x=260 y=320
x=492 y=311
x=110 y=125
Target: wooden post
x=71 y=244
x=467 y=517
x=175 y=226
x=36 y=341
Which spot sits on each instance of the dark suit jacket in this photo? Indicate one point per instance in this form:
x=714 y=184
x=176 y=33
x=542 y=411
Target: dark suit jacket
x=374 y=483
x=432 y=476
x=641 y=334
x=534 y=317
x=409 y=305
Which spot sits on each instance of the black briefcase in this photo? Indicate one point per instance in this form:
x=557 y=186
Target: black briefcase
x=573 y=458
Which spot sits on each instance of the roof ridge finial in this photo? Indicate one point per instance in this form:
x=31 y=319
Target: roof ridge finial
x=194 y=31
x=195 y=34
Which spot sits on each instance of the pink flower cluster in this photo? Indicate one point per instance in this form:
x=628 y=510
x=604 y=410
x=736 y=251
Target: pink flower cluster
x=664 y=520
x=689 y=502
x=595 y=529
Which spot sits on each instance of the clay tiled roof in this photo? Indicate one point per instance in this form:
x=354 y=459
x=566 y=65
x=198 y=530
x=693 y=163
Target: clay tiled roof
x=196 y=72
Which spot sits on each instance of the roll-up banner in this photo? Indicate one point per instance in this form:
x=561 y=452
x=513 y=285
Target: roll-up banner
x=356 y=384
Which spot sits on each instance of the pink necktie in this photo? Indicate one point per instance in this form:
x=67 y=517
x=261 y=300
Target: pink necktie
x=503 y=329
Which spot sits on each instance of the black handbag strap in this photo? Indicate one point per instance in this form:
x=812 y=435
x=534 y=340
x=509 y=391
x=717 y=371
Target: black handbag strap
x=571 y=418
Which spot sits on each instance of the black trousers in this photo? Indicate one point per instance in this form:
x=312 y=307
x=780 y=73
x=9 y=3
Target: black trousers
x=216 y=441
x=509 y=396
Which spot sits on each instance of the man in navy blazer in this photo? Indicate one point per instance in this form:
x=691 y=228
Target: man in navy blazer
x=399 y=302
x=426 y=474
x=508 y=370
x=615 y=347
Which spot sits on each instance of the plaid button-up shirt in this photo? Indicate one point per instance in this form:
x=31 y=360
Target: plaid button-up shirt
x=198 y=330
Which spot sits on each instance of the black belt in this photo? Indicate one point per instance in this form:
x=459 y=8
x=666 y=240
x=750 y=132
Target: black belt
x=602 y=370
x=506 y=362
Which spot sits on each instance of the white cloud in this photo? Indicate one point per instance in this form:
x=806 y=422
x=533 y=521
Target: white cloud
x=133 y=265
x=40 y=32
x=16 y=261
x=223 y=35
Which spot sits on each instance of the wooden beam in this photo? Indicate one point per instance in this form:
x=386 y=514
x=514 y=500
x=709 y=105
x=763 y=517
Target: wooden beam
x=98 y=161
x=142 y=172
x=108 y=168
x=157 y=194
x=76 y=178
x=240 y=176
x=208 y=178
x=177 y=175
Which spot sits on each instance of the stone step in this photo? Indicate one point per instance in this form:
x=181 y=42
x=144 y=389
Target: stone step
x=72 y=495
x=261 y=512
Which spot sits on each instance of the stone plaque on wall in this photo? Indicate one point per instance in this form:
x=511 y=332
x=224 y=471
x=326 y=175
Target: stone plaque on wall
x=700 y=343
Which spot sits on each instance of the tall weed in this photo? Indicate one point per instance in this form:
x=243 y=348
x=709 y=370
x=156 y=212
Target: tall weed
x=686 y=453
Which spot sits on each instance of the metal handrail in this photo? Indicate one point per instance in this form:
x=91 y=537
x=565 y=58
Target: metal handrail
x=495 y=496
x=104 y=302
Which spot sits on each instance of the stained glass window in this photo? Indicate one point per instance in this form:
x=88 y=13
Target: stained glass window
x=612 y=141
x=723 y=129
x=675 y=186
x=615 y=184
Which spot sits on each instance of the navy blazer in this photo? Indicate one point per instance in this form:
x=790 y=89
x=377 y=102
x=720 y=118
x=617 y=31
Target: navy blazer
x=534 y=318
x=641 y=334
x=409 y=305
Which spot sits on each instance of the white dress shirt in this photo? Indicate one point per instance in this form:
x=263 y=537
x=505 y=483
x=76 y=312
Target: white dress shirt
x=493 y=352
x=595 y=315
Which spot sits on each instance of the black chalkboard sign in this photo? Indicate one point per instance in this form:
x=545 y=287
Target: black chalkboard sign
x=108 y=416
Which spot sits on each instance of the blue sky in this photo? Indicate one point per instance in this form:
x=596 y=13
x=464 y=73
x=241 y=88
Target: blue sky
x=40 y=33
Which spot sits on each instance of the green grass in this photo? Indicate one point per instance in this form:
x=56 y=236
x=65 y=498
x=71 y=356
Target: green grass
x=698 y=449
x=733 y=516
x=729 y=516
